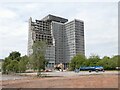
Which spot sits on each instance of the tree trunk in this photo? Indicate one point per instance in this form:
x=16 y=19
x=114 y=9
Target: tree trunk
x=39 y=72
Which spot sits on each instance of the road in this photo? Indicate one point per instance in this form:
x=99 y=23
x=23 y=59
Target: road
x=56 y=73
x=72 y=73
x=82 y=73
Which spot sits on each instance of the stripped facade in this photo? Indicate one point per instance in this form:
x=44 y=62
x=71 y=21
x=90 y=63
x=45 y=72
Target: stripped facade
x=65 y=39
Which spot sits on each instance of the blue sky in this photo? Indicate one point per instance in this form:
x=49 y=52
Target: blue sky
x=100 y=22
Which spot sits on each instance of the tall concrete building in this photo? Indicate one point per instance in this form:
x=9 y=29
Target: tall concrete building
x=65 y=39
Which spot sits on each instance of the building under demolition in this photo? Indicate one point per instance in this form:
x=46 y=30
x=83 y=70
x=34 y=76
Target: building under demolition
x=65 y=39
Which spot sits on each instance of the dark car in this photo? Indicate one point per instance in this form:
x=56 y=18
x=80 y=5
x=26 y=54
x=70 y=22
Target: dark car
x=90 y=69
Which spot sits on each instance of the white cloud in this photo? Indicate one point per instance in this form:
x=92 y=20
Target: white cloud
x=100 y=24
x=59 y=1
x=5 y=13
x=101 y=28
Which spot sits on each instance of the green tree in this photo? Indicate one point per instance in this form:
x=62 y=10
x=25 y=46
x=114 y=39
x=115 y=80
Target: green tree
x=105 y=62
x=5 y=64
x=23 y=63
x=38 y=56
x=93 y=60
x=14 y=55
x=77 y=61
x=87 y=62
x=13 y=67
x=11 y=63
x=114 y=61
x=109 y=63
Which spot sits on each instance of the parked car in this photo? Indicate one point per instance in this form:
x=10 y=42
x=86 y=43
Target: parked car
x=90 y=69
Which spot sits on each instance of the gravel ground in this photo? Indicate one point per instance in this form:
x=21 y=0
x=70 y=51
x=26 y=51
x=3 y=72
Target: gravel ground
x=66 y=80
x=72 y=73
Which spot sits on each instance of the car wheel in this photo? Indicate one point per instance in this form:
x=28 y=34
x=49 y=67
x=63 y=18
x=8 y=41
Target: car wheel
x=90 y=71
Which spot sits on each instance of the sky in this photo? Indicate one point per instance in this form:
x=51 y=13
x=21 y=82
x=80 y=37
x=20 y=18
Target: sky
x=100 y=24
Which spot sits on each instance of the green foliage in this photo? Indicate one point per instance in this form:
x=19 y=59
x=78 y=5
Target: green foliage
x=94 y=60
x=13 y=66
x=14 y=63
x=38 y=57
x=15 y=55
x=5 y=64
x=116 y=60
x=105 y=62
x=109 y=63
x=77 y=61
x=23 y=64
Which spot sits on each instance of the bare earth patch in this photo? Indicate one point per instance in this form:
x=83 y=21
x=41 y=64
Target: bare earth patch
x=87 y=81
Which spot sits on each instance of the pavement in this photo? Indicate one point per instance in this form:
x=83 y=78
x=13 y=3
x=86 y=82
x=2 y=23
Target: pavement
x=82 y=73
x=56 y=74
x=72 y=73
